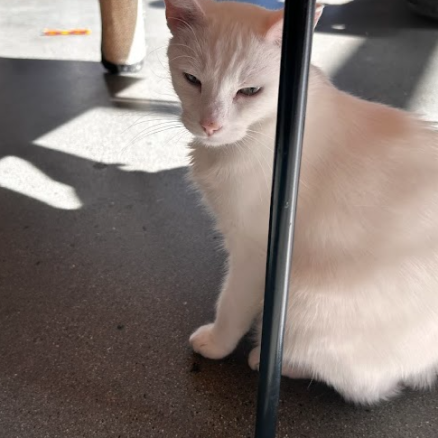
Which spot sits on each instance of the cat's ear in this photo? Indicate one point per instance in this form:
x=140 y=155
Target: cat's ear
x=275 y=23
x=181 y=13
x=274 y=27
x=318 y=12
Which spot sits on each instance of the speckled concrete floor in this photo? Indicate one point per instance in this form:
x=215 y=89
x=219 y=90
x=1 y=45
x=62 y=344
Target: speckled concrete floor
x=107 y=262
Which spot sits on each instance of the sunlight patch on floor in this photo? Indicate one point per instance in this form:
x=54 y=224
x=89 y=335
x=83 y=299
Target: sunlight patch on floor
x=148 y=142
x=21 y=177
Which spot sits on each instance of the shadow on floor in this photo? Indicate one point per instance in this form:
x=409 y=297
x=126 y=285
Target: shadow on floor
x=397 y=47
x=372 y=18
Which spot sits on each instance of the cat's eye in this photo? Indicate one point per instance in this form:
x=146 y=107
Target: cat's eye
x=250 y=91
x=192 y=79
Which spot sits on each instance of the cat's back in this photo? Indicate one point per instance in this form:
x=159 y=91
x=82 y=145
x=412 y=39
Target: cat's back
x=368 y=192
x=373 y=154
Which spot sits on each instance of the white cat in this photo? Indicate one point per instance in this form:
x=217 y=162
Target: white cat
x=363 y=305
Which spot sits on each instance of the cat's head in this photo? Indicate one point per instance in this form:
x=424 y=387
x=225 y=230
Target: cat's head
x=224 y=60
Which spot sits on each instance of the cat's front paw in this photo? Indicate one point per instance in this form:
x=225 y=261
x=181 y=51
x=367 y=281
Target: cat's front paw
x=287 y=370
x=209 y=344
x=254 y=359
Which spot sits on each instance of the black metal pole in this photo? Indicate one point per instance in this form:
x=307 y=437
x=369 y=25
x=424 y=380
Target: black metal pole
x=294 y=71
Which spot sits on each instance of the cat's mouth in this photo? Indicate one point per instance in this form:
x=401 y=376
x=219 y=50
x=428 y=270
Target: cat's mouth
x=220 y=139
x=213 y=141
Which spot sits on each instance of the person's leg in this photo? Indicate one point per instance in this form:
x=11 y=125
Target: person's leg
x=123 y=39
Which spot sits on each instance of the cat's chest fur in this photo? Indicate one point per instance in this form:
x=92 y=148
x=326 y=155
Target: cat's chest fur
x=236 y=185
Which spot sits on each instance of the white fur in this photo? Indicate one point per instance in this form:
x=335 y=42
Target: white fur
x=363 y=305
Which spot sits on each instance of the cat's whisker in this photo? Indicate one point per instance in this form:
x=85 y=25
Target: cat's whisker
x=269 y=137
x=188 y=26
x=186 y=46
x=165 y=68
x=154 y=126
x=181 y=133
x=158 y=122
x=256 y=140
x=142 y=120
x=260 y=132
x=133 y=124
x=158 y=76
x=153 y=131
x=153 y=51
x=128 y=146
x=259 y=143
x=182 y=56
x=158 y=131
x=132 y=142
x=178 y=132
x=166 y=95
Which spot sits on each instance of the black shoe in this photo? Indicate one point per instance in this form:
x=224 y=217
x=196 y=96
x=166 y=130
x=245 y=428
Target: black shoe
x=117 y=69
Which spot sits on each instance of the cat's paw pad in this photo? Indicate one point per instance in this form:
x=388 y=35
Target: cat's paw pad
x=206 y=342
x=254 y=359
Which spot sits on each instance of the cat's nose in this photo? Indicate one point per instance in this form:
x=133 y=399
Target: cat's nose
x=210 y=127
